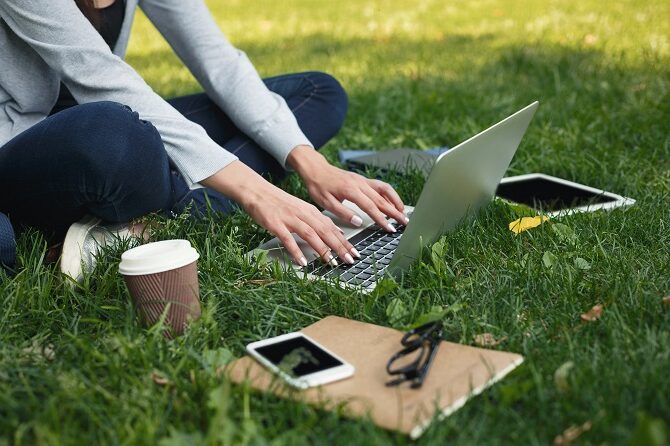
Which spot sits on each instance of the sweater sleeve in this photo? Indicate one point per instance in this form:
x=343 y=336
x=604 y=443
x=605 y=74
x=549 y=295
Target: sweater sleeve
x=227 y=75
x=60 y=34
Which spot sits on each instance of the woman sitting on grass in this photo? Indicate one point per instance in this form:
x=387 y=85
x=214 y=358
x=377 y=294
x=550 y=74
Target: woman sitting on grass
x=83 y=137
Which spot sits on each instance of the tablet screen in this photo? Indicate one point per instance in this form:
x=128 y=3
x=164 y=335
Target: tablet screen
x=548 y=195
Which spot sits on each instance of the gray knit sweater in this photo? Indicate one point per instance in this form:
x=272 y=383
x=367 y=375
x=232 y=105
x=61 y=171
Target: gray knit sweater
x=44 y=42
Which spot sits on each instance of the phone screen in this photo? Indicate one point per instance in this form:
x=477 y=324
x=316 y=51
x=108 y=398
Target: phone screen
x=298 y=356
x=542 y=193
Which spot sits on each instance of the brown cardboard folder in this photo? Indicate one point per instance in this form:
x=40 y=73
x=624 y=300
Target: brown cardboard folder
x=458 y=372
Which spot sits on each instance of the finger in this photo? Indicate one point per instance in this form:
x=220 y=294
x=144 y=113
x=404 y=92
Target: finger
x=290 y=245
x=330 y=234
x=383 y=205
x=387 y=207
x=342 y=212
x=336 y=235
x=346 y=214
x=309 y=234
x=339 y=233
x=369 y=207
x=388 y=192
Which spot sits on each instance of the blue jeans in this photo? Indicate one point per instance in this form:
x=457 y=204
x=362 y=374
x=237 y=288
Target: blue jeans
x=101 y=159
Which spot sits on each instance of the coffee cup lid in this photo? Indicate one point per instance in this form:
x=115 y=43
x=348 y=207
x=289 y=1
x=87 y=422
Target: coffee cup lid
x=157 y=257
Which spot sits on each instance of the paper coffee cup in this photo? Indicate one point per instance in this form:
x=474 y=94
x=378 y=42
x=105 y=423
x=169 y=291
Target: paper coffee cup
x=161 y=274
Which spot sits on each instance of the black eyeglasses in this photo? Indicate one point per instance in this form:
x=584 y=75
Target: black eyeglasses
x=419 y=348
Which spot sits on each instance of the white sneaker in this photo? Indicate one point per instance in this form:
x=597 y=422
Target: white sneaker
x=84 y=241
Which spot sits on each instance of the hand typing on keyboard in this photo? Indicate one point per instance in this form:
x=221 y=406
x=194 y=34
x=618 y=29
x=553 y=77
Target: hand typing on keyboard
x=376 y=247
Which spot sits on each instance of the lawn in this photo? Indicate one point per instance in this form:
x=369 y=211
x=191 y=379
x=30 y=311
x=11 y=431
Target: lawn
x=76 y=367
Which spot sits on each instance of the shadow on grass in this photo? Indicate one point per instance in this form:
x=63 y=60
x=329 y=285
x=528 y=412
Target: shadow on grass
x=600 y=121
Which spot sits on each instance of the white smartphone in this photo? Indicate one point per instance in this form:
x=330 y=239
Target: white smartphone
x=555 y=196
x=300 y=360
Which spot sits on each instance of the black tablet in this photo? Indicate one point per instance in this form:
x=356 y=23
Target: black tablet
x=555 y=196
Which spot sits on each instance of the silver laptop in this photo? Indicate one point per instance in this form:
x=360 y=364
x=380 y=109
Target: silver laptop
x=462 y=181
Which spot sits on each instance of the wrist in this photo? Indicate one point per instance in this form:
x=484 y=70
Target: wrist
x=305 y=160
x=238 y=182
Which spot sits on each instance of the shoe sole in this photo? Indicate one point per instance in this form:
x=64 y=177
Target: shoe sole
x=71 y=260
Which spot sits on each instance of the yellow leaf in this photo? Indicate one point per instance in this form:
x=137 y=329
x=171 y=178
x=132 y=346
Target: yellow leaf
x=572 y=433
x=593 y=314
x=488 y=340
x=526 y=223
x=159 y=379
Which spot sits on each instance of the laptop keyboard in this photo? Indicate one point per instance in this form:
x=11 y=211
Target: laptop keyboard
x=376 y=247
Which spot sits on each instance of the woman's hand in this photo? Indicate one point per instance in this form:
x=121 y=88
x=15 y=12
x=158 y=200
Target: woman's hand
x=329 y=186
x=282 y=214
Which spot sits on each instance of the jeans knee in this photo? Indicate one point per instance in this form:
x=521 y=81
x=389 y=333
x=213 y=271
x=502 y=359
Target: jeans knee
x=7 y=243
x=330 y=90
x=116 y=143
x=123 y=156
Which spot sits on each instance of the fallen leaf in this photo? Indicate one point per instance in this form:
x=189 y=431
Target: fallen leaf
x=561 y=376
x=590 y=39
x=593 y=314
x=666 y=300
x=258 y=282
x=525 y=223
x=48 y=352
x=159 y=379
x=581 y=264
x=549 y=259
x=571 y=434
x=488 y=340
x=37 y=350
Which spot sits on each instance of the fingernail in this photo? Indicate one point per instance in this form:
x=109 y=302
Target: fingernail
x=356 y=220
x=406 y=219
x=303 y=261
x=333 y=262
x=391 y=228
x=355 y=252
x=348 y=259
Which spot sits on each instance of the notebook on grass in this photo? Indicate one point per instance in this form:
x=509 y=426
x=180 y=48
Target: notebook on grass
x=458 y=373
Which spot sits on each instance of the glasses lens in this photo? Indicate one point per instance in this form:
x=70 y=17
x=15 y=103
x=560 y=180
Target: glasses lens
x=412 y=362
x=408 y=360
x=412 y=339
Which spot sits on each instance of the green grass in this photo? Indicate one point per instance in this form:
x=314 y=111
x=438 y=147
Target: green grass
x=419 y=73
